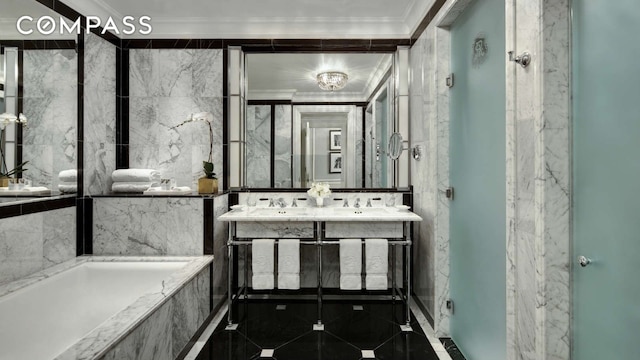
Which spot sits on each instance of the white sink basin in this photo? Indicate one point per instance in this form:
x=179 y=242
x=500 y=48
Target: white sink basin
x=360 y=211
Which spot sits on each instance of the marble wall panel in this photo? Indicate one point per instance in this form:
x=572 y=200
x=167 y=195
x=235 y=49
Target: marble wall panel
x=220 y=260
x=30 y=243
x=282 y=146
x=50 y=96
x=148 y=226
x=99 y=114
x=166 y=87
x=258 y=137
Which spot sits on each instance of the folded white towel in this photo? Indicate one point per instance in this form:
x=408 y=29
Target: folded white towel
x=289 y=264
x=130 y=187
x=376 y=282
x=136 y=175
x=376 y=256
x=350 y=282
x=36 y=188
x=67 y=188
x=68 y=175
x=350 y=256
x=262 y=264
x=376 y=263
x=350 y=264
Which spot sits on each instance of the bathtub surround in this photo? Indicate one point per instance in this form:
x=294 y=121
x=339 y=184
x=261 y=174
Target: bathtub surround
x=50 y=102
x=99 y=114
x=36 y=241
x=165 y=87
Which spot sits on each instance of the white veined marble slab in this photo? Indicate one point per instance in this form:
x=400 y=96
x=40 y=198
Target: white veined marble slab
x=320 y=214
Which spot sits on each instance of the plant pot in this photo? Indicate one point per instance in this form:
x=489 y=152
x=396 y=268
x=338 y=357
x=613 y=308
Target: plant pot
x=207 y=186
x=4 y=182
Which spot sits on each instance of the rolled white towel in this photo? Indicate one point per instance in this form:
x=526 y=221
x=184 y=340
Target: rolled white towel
x=130 y=187
x=136 y=175
x=68 y=188
x=262 y=264
x=70 y=175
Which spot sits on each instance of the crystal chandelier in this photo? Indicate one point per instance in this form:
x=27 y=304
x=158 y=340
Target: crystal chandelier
x=332 y=80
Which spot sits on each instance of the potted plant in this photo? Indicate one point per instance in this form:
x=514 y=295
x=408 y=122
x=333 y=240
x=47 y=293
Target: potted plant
x=6 y=173
x=209 y=183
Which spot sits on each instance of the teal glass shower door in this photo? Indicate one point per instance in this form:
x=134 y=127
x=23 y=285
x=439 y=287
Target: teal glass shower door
x=477 y=172
x=606 y=179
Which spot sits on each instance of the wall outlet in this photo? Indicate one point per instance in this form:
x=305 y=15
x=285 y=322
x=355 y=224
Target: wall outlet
x=450 y=305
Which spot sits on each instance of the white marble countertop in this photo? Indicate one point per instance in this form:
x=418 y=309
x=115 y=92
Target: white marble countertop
x=327 y=214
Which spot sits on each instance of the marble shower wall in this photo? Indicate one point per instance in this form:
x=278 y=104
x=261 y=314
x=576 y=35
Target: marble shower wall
x=258 y=137
x=33 y=242
x=165 y=88
x=50 y=102
x=282 y=146
x=99 y=114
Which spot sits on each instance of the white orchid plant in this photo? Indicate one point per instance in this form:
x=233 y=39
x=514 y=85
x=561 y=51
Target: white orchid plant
x=319 y=190
x=207 y=117
x=5 y=120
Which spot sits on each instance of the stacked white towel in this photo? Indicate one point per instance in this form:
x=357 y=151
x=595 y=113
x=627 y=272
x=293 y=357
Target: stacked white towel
x=377 y=263
x=68 y=181
x=262 y=264
x=134 y=180
x=289 y=264
x=350 y=264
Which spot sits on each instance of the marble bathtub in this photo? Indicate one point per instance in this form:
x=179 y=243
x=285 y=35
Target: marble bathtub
x=106 y=308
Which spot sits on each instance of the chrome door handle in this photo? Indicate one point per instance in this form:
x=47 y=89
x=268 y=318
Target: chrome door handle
x=584 y=261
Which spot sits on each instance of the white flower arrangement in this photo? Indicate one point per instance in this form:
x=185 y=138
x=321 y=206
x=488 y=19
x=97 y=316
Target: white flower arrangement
x=319 y=190
x=5 y=120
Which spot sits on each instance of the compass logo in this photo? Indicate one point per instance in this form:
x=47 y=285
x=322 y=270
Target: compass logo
x=47 y=25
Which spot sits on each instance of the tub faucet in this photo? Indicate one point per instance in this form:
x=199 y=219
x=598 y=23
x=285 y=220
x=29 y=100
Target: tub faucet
x=357 y=204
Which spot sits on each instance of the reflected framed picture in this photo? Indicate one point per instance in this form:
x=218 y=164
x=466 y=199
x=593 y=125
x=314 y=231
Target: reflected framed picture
x=335 y=163
x=335 y=140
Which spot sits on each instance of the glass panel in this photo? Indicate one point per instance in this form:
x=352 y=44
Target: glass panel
x=606 y=133
x=477 y=171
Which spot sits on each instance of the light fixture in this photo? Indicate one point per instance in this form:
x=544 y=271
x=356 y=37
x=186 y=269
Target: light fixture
x=332 y=80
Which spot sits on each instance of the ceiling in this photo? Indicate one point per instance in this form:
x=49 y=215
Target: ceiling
x=292 y=76
x=12 y=10
x=266 y=18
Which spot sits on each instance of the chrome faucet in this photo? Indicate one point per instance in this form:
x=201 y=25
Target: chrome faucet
x=294 y=203
x=271 y=203
x=345 y=203
x=281 y=203
x=369 y=202
x=357 y=204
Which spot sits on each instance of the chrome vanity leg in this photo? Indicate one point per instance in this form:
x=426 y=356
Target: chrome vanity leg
x=393 y=273
x=230 y=324
x=407 y=278
x=319 y=237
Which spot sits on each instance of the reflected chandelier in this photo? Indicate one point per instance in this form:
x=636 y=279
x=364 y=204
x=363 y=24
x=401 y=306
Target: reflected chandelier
x=332 y=80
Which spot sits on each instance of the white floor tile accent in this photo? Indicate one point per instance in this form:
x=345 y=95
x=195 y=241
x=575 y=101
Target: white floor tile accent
x=267 y=353
x=368 y=354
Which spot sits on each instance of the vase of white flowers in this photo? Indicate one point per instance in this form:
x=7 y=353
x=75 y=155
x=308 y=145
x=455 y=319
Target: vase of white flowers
x=319 y=191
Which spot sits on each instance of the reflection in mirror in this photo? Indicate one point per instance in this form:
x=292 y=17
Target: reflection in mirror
x=40 y=80
x=297 y=133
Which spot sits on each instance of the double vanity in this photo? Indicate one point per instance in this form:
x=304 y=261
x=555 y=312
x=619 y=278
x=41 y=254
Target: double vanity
x=320 y=226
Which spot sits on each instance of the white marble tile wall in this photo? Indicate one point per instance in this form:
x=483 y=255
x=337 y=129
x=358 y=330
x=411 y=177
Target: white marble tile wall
x=148 y=226
x=360 y=141
x=220 y=260
x=99 y=114
x=258 y=136
x=50 y=96
x=166 y=86
x=282 y=144
x=33 y=242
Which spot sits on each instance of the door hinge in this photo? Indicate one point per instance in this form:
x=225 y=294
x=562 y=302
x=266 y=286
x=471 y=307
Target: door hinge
x=449 y=193
x=450 y=305
x=450 y=80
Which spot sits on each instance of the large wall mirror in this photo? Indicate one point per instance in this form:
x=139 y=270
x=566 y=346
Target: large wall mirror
x=298 y=132
x=39 y=79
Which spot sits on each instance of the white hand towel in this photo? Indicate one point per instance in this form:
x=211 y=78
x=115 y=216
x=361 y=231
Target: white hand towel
x=289 y=264
x=376 y=282
x=376 y=263
x=262 y=264
x=130 y=187
x=36 y=188
x=376 y=256
x=68 y=175
x=136 y=175
x=350 y=256
x=350 y=264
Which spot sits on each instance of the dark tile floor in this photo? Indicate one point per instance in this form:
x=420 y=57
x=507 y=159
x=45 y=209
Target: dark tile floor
x=290 y=334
